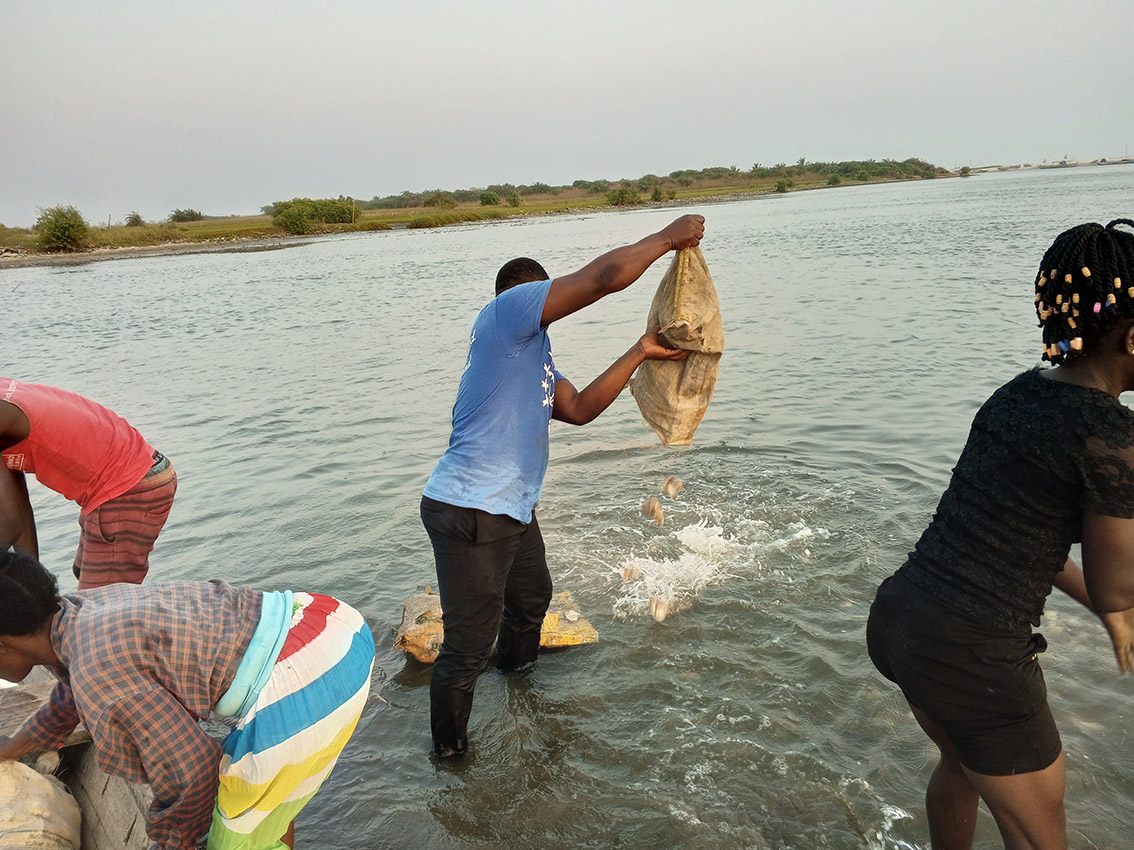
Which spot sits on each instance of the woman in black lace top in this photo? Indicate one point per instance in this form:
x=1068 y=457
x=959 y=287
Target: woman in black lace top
x=1049 y=462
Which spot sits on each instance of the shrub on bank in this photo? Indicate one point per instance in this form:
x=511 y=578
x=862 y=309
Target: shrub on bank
x=623 y=196
x=299 y=215
x=439 y=199
x=61 y=228
x=180 y=215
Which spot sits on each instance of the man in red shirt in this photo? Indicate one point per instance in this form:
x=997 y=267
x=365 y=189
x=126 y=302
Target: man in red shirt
x=91 y=455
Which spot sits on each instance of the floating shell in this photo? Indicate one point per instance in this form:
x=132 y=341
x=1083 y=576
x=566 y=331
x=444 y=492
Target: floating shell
x=659 y=608
x=672 y=486
x=630 y=572
x=652 y=509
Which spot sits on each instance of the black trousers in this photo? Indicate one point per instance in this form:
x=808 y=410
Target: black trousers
x=495 y=586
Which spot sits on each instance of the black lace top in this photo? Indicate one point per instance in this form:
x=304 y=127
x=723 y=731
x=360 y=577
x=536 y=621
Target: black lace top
x=1040 y=452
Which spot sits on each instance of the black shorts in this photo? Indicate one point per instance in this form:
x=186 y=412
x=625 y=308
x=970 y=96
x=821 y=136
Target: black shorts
x=983 y=687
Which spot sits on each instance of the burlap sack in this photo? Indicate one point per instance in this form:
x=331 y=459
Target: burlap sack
x=673 y=395
x=36 y=812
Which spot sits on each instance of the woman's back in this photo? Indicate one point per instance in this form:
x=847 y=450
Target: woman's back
x=1040 y=452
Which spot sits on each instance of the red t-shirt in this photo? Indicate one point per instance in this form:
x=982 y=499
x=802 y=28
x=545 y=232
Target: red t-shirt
x=75 y=446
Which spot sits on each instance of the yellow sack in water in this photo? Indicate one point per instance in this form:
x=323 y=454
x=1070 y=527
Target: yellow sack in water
x=673 y=395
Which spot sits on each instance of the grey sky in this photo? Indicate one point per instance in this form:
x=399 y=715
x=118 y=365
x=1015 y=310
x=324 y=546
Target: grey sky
x=120 y=105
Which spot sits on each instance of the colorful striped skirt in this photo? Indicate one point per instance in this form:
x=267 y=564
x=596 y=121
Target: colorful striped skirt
x=281 y=751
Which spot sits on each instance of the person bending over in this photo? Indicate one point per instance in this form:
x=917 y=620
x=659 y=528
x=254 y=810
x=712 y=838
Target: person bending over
x=90 y=454
x=140 y=665
x=1049 y=462
x=479 y=504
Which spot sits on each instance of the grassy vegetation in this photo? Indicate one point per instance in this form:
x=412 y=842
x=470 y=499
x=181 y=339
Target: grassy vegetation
x=438 y=208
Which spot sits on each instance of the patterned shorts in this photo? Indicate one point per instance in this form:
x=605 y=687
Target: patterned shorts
x=117 y=537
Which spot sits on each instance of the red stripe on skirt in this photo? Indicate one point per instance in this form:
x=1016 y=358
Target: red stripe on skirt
x=310 y=625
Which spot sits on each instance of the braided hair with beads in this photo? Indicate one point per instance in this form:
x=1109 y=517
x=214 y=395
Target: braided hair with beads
x=1085 y=286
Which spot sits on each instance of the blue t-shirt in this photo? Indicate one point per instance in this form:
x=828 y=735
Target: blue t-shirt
x=498 y=450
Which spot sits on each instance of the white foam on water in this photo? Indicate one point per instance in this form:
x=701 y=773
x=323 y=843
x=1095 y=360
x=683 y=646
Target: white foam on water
x=676 y=581
x=878 y=816
x=708 y=556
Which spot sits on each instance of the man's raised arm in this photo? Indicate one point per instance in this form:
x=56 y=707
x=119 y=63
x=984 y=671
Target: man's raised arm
x=615 y=270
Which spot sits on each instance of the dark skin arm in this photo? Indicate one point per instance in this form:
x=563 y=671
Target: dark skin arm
x=1105 y=584
x=617 y=269
x=1119 y=624
x=17 y=746
x=1108 y=561
x=17 y=522
x=578 y=407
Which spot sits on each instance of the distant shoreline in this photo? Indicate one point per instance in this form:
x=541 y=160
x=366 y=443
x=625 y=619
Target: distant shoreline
x=253 y=244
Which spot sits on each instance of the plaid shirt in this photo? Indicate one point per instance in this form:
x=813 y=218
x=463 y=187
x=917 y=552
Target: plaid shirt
x=140 y=666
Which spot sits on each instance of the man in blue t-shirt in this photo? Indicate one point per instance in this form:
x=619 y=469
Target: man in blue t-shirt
x=479 y=503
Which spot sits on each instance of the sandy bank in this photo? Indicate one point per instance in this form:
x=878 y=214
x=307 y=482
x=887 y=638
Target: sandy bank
x=236 y=246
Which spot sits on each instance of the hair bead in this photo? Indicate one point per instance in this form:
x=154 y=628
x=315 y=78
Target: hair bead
x=1086 y=272
x=1077 y=344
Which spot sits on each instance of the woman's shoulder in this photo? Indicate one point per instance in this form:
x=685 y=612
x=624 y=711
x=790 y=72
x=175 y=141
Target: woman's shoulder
x=1087 y=410
x=1033 y=403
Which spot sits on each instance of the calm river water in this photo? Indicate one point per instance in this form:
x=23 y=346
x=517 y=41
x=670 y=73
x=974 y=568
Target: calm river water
x=304 y=395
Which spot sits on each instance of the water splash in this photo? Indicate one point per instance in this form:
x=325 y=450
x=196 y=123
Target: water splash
x=675 y=582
